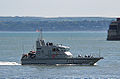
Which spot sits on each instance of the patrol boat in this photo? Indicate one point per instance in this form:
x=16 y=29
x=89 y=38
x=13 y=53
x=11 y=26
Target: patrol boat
x=50 y=54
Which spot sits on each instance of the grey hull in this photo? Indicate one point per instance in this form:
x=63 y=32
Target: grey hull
x=51 y=61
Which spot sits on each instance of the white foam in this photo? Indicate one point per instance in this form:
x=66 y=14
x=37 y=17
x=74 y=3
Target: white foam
x=95 y=64
x=65 y=64
x=9 y=63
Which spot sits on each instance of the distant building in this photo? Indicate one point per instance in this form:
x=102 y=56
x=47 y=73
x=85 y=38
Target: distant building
x=114 y=30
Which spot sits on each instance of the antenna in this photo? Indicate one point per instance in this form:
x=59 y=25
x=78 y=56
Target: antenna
x=99 y=52
x=33 y=48
x=23 y=48
x=41 y=34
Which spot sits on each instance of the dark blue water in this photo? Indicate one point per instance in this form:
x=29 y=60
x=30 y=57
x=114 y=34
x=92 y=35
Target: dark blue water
x=14 y=44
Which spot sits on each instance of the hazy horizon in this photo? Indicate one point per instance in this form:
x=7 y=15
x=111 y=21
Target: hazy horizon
x=60 y=8
x=63 y=16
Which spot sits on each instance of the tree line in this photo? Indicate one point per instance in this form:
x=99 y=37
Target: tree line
x=54 y=25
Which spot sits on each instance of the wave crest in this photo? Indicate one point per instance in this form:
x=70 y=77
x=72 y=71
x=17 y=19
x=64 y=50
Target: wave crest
x=9 y=63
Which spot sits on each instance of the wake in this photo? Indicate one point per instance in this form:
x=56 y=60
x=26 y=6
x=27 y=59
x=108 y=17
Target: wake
x=9 y=63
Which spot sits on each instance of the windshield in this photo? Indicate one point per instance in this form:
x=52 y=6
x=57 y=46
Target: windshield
x=64 y=49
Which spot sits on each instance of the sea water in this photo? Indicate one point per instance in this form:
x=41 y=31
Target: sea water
x=14 y=44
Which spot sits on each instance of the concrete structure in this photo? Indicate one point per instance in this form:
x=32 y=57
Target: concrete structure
x=114 y=30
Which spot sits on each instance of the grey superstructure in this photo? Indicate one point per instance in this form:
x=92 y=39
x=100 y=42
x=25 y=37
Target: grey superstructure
x=48 y=53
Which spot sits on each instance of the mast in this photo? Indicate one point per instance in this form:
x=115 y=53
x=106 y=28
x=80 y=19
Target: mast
x=40 y=39
x=40 y=34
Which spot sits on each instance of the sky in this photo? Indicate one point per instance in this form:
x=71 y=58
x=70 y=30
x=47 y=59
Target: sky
x=60 y=8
